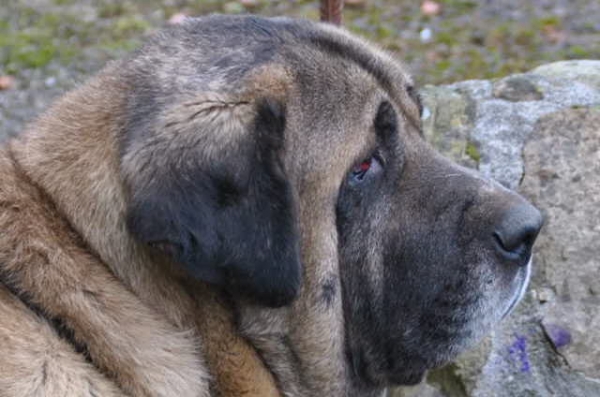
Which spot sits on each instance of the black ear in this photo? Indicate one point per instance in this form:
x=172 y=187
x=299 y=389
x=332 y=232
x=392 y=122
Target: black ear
x=209 y=188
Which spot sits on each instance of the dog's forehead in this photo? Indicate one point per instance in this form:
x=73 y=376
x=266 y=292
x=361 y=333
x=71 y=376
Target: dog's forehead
x=330 y=81
x=332 y=110
x=217 y=53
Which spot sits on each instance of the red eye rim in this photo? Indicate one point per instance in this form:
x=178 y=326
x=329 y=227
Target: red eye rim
x=360 y=171
x=363 y=167
x=368 y=167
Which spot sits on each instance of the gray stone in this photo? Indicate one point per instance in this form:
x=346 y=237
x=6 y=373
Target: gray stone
x=476 y=89
x=516 y=89
x=587 y=71
x=447 y=121
x=467 y=122
x=562 y=159
x=501 y=127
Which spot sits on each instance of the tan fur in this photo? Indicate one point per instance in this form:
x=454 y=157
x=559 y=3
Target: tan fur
x=147 y=328
x=42 y=256
x=37 y=363
x=309 y=326
x=237 y=368
x=145 y=339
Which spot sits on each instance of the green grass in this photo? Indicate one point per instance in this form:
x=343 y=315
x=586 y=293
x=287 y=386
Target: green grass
x=464 y=44
x=473 y=152
x=41 y=42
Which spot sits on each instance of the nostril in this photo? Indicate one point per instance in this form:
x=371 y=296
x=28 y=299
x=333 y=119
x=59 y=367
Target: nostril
x=517 y=231
x=518 y=247
x=517 y=238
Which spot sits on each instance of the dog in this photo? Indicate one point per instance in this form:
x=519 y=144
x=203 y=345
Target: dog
x=246 y=207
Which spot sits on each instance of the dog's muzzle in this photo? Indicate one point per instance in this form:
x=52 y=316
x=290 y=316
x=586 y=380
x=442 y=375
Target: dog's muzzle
x=520 y=292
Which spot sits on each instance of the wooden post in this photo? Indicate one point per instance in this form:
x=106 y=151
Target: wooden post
x=331 y=11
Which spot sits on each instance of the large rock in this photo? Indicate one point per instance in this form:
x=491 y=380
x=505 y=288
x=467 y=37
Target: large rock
x=562 y=176
x=539 y=133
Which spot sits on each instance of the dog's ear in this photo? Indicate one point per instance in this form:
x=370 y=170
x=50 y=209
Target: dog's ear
x=209 y=188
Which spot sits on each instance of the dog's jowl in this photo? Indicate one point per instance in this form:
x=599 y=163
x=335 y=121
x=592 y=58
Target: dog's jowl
x=246 y=207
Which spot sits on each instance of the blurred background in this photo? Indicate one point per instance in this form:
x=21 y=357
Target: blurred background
x=537 y=132
x=50 y=44
x=442 y=41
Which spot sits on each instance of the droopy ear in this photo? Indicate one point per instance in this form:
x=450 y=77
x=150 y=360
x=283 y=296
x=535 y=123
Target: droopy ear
x=209 y=188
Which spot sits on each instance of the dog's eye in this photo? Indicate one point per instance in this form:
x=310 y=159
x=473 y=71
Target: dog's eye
x=363 y=170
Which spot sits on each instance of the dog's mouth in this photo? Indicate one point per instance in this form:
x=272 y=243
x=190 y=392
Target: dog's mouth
x=373 y=376
x=520 y=292
x=411 y=367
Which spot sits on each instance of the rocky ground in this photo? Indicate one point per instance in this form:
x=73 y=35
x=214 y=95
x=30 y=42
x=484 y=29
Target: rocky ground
x=537 y=131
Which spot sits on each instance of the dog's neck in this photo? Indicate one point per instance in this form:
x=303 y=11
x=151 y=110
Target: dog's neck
x=72 y=154
x=75 y=144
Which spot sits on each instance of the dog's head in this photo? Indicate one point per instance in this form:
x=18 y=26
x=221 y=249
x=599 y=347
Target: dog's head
x=281 y=159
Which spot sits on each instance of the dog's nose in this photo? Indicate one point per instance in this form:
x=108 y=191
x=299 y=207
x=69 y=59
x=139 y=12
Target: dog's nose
x=517 y=231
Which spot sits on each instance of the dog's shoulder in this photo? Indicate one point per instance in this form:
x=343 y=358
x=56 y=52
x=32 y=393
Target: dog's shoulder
x=60 y=297
x=36 y=361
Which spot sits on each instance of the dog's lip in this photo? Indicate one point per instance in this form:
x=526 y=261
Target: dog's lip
x=408 y=379
x=521 y=291
x=362 y=370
